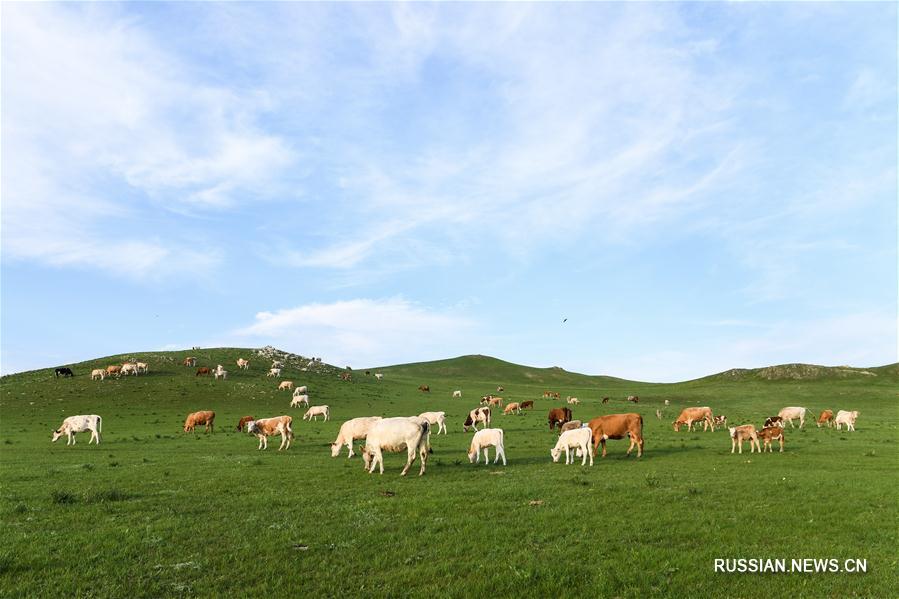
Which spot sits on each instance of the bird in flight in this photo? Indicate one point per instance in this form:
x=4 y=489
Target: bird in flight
x=564 y=320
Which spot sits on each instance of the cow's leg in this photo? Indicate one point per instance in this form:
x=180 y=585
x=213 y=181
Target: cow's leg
x=410 y=457
x=502 y=451
x=603 y=442
x=584 y=450
x=733 y=444
x=350 y=447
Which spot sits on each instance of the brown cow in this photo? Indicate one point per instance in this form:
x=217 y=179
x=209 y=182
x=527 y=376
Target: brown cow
x=826 y=417
x=190 y=361
x=243 y=421
x=618 y=426
x=738 y=434
x=269 y=427
x=559 y=416
x=206 y=417
x=772 y=433
x=527 y=404
x=424 y=388
x=113 y=370
x=203 y=371
x=690 y=415
x=344 y=376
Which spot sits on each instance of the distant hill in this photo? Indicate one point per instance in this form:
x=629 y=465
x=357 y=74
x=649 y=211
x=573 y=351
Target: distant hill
x=806 y=372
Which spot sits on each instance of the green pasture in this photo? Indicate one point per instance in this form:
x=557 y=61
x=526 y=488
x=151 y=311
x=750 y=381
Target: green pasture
x=155 y=512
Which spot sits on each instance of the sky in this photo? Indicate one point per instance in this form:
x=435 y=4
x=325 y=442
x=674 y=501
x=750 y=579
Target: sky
x=693 y=186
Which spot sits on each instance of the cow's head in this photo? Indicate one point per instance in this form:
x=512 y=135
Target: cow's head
x=56 y=435
x=677 y=424
x=555 y=453
x=252 y=427
x=733 y=431
x=335 y=449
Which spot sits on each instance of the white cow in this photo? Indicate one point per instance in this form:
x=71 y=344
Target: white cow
x=847 y=418
x=396 y=434
x=128 y=368
x=578 y=438
x=438 y=418
x=285 y=385
x=298 y=399
x=142 y=368
x=573 y=400
x=357 y=428
x=379 y=376
x=314 y=411
x=274 y=372
x=791 y=413
x=98 y=373
x=243 y=364
x=300 y=390
x=457 y=393
x=78 y=424
x=484 y=439
x=277 y=364
x=221 y=374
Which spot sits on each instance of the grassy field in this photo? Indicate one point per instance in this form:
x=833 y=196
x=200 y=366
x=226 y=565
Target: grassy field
x=156 y=512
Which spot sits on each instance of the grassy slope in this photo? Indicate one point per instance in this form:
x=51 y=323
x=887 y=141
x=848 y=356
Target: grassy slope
x=153 y=511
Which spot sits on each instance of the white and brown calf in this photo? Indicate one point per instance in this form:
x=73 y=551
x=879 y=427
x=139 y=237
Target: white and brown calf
x=269 y=427
x=357 y=428
x=78 y=424
x=579 y=439
x=513 y=407
x=438 y=418
x=738 y=434
x=484 y=439
x=477 y=415
x=243 y=364
x=772 y=433
x=457 y=393
x=314 y=411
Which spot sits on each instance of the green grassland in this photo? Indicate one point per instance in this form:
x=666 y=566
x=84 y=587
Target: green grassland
x=156 y=512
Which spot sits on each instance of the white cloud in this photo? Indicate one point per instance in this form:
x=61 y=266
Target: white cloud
x=102 y=128
x=362 y=332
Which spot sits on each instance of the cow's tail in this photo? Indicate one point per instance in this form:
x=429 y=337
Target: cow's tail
x=99 y=424
x=425 y=435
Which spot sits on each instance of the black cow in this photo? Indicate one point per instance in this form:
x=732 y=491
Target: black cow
x=64 y=372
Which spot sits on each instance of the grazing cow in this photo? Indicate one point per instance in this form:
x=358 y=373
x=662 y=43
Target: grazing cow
x=276 y=372
x=772 y=433
x=774 y=421
x=847 y=418
x=826 y=417
x=527 y=404
x=578 y=438
x=633 y=399
x=690 y=415
x=129 y=369
x=720 y=420
x=495 y=401
x=243 y=421
x=243 y=364
x=379 y=376
x=314 y=411
x=396 y=434
x=190 y=361
x=300 y=390
x=78 y=424
x=500 y=389
x=205 y=417
x=486 y=400
x=793 y=412
x=457 y=393
x=424 y=388
x=357 y=428
x=142 y=368
x=114 y=370
x=475 y=416
x=346 y=376
x=572 y=400
x=738 y=434
x=484 y=439
x=285 y=386
x=438 y=418
x=618 y=426
x=64 y=371
x=512 y=407
x=556 y=395
x=605 y=400
x=298 y=399
x=269 y=427
x=98 y=373
x=203 y=371
x=571 y=425
x=547 y=394
x=558 y=416
x=667 y=403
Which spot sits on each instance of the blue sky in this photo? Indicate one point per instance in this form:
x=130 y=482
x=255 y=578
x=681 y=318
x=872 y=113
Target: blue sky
x=693 y=186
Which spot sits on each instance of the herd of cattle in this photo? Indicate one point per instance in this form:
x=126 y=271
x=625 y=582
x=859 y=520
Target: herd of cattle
x=413 y=433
